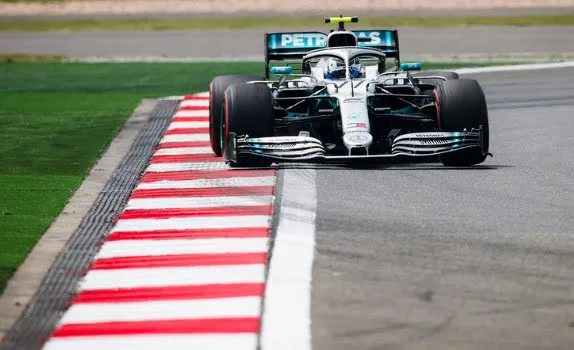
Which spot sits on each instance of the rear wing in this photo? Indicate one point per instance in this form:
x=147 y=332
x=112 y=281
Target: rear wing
x=292 y=46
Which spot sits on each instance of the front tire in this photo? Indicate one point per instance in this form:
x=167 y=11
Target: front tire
x=216 y=95
x=248 y=111
x=461 y=104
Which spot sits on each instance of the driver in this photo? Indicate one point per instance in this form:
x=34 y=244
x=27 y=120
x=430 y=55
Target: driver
x=357 y=69
x=335 y=69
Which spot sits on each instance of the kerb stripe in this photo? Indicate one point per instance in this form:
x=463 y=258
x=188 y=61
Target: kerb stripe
x=208 y=291
x=247 y=232
x=217 y=325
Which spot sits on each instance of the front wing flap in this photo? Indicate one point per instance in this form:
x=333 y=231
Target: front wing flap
x=309 y=149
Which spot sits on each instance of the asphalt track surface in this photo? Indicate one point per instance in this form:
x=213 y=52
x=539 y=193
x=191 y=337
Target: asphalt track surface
x=425 y=257
x=248 y=44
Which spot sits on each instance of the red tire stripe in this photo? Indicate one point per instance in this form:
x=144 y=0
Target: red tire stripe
x=226 y=136
x=248 y=232
x=179 y=260
x=211 y=119
x=208 y=291
x=204 y=192
x=194 y=212
x=185 y=326
x=435 y=94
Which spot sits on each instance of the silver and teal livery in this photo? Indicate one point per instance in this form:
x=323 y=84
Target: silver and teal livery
x=337 y=99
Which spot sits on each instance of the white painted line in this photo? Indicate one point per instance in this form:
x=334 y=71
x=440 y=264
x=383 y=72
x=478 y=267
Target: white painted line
x=202 y=94
x=192 y=113
x=172 y=276
x=150 y=247
x=288 y=290
x=210 y=183
x=186 y=125
x=190 y=166
x=197 y=202
x=172 y=98
x=194 y=103
x=162 y=310
x=192 y=223
x=155 y=342
x=185 y=138
x=518 y=67
x=183 y=151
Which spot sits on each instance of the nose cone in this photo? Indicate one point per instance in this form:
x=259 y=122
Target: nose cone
x=357 y=140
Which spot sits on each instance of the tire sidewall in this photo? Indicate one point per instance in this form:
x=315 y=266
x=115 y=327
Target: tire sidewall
x=461 y=104
x=217 y=89
x=248 y=110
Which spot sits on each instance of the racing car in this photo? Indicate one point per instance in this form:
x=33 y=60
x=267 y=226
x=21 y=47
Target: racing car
x=343 y=97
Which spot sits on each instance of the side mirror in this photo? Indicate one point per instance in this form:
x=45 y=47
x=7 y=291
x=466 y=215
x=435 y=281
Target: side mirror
x=407 y=66
x=282 y=70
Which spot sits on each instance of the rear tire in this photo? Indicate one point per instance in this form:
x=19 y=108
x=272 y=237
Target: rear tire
x=248 y=111
x=448 y=75
x=461 y=104
x=216 y=96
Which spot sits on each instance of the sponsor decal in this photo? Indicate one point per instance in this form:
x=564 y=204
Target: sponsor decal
x=354 y=100
x=430 y=135
x=375 y=37
x=361 y=125
x=433 y=142
x=358 y=138
x=317 y=40
x=283 y=139
x=354 y=116
x=302 y=40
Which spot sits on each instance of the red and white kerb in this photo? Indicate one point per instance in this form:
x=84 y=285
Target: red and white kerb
x=184 y=266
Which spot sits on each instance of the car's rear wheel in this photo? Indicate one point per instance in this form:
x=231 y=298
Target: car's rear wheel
x=216 y=95
x=448 y=75
x=461 y=105
x=248 y=110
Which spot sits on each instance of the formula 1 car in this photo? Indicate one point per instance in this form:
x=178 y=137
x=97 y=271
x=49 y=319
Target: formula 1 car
x=339 y=101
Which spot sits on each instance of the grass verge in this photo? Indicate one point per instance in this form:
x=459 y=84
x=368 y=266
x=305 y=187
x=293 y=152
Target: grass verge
x=281 y=22
x=57 y=118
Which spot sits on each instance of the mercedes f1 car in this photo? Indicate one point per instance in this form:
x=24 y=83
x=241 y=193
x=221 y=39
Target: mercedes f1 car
x=339 y=100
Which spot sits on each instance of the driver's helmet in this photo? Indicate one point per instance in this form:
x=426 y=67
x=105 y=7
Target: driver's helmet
x=357 y=68
x=335 y=68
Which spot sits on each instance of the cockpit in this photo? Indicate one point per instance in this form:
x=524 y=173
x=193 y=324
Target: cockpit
x=348 y=63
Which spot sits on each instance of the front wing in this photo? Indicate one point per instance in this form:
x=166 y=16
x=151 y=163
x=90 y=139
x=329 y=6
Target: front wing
x=308 y=149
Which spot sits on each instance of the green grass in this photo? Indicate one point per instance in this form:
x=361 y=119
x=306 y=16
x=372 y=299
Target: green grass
x=57 y=118
x=55 y=121
x=281 y=22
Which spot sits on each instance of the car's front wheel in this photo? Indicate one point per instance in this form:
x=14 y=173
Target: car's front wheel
x=216 y=95
x=461 y=104
x=248 y=110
